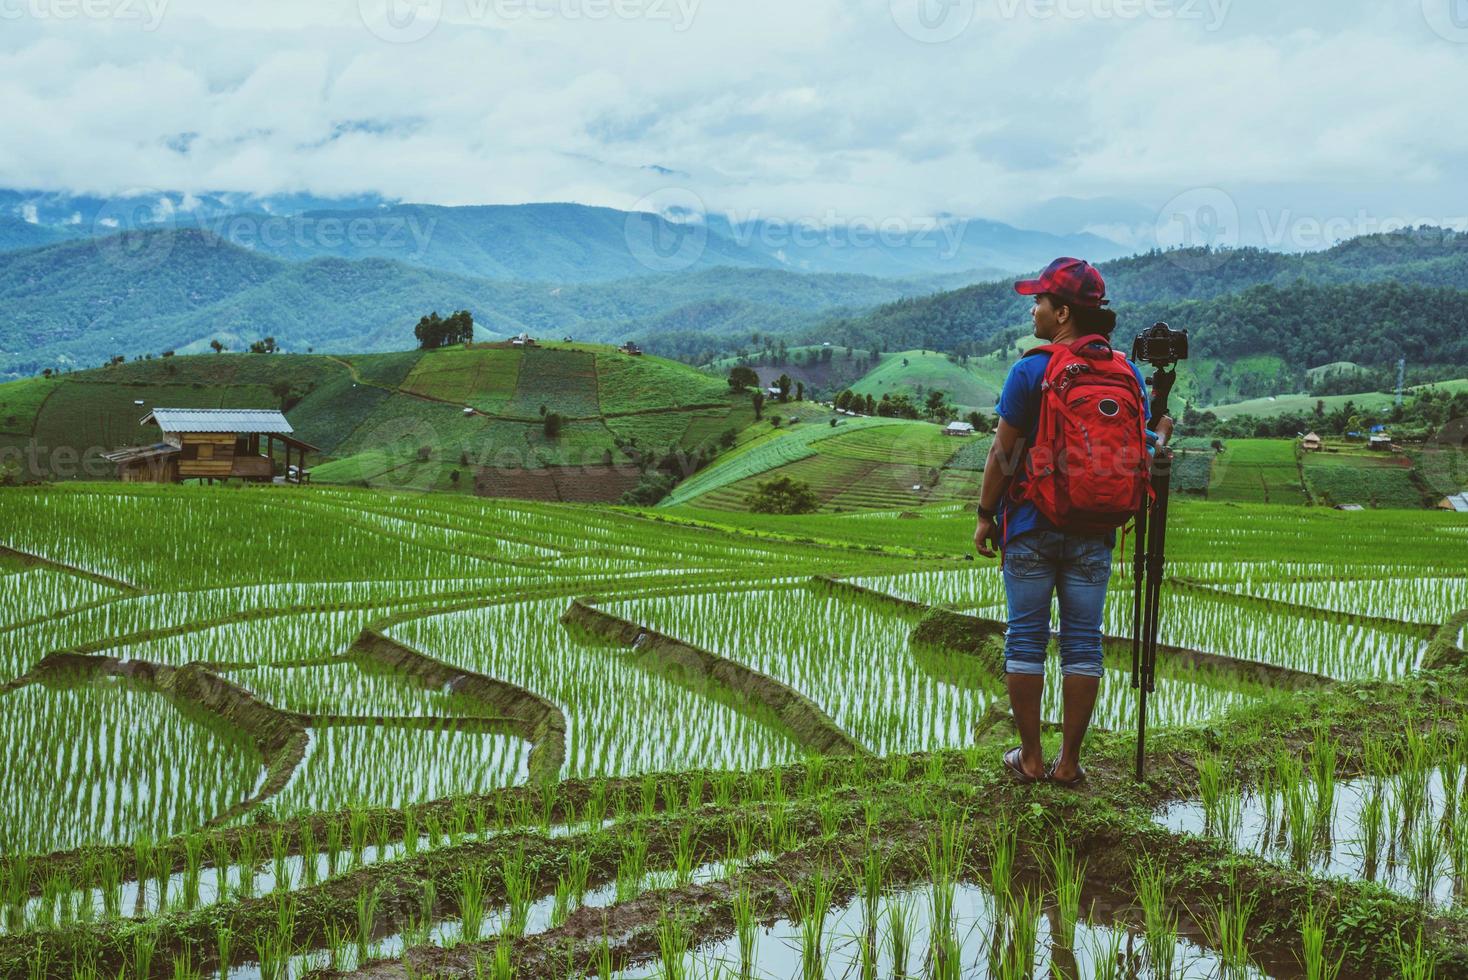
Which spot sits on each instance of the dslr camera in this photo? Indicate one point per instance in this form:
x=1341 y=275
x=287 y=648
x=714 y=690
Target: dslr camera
x=1160 y=346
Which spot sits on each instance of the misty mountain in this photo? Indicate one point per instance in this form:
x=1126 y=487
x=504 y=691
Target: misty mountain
x=77 y=303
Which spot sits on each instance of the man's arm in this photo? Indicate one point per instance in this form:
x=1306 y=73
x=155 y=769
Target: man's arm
x=999 y=470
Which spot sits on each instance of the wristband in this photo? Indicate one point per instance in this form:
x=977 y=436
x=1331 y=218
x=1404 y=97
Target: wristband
x=987 y=515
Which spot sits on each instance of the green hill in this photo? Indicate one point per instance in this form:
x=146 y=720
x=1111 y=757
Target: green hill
x=1369 y=301
x=78 y=303
x=1285 y=404
x=971 y=383
x=454 y=419
x=857 y=464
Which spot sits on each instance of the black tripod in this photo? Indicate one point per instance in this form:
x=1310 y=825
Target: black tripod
x=1162 y=348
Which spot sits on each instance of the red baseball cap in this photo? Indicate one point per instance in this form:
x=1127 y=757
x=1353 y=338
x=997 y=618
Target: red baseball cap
x=1073 y=279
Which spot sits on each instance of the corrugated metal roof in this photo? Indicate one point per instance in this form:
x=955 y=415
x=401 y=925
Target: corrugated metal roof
x=1459 y=502
x=218 y=420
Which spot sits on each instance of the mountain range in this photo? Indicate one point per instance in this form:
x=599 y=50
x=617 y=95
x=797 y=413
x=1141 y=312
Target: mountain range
x=544 y=242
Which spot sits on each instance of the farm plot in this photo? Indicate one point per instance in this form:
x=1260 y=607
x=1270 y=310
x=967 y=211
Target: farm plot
x=827 y=476
x=1314 y=645
x=627 y=384
x=482 y=379
x=345 y=763
x=20 y=401
x=1401 y=825
x=106 y=762
x=761 y=455
x=1369 y=479
x=399 y=815
x=672 y=727
x=1257 y=471
x=560 y=381
x=1410 y=598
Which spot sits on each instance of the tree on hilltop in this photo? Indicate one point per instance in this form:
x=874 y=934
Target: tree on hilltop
x=782 y=496
x=742 y=378
x=434 y=331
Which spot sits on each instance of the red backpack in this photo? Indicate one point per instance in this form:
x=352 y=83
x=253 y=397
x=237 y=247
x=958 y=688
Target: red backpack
x=1088 y=468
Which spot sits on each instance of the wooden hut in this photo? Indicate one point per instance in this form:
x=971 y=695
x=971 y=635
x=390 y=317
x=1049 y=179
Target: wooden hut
x=1310 y=442
x=215 y=444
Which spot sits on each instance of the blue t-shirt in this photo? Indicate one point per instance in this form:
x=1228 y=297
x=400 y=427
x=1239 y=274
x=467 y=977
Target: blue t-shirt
x=1019 y=405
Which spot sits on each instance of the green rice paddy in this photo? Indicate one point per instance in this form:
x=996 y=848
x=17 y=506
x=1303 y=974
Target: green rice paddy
x=270 y=731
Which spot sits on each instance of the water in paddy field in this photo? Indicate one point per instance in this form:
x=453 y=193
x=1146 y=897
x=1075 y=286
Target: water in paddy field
x=1416 y=599
x=984 y=943
x=671 y=728
x=1368 y=834
x=536 y=917
x=855 y=662
x=106 y=761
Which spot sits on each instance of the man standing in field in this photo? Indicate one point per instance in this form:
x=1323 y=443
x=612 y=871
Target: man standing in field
x=1042 y=558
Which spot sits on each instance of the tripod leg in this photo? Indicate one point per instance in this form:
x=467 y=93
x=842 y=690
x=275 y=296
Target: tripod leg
x=1151 y=611
x=1139 y=573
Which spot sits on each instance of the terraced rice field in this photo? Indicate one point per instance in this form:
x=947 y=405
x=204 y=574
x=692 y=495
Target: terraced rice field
x=1257 y=471
x=861 y=464
x=290 y=732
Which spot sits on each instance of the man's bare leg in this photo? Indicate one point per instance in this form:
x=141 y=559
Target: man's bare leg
x=1024 y=700
x=1080 y=700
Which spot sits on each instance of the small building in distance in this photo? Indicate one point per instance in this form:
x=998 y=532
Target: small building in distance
x=630 y=349
x=214 y=444
x=959 y=429
x=1381 y=441
x=523 y=340
x=1310 y=443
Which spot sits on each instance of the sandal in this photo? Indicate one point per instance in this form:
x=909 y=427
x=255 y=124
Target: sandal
x=1016 y=769
x=1080 y=776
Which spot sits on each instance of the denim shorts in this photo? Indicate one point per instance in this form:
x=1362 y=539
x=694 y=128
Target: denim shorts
x=1040 y=563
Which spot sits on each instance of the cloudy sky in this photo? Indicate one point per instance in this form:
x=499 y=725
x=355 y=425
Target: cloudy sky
x=1298 y=120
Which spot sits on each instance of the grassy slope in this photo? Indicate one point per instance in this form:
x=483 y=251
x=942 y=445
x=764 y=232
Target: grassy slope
x=862 y=464
x=1257 y=471
x=972 y=386
x=372 y=414
x=1281 y=404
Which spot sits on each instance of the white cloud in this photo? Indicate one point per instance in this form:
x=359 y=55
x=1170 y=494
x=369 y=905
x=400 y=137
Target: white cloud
x=794 y=109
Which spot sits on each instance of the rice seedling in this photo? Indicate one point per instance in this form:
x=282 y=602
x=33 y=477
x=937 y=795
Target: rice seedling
x=900 y=927
x=1231 y=915
x=519 y=890
x=224 y=947
x=684 y=857
x=1067 y=876
x=1415 y=961
x=811 y=903
x=1001 y=850
x=1159 y=921
x=672 y=943
x=745 y=928
x=366 y=907
x=469 y=894
x=1313 y=958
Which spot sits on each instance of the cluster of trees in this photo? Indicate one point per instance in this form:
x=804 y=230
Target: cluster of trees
x=1423 y=414
x=850 y=401
x=434 y=331
x=936 y=407
x=782 y=495
x=1370 y=300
